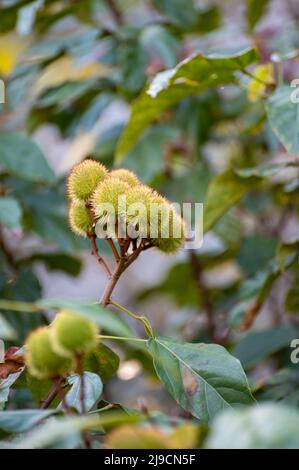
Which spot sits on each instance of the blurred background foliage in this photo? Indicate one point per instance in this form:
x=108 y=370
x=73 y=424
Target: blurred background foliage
x=72 y=70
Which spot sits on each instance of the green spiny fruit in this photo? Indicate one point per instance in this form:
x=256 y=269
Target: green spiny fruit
x=72 y=334
x=42 y=361
x=84 y=179
x=107 y=203
x=80 y=219
x=171 y=230
x=138 y=208
x=125 y=175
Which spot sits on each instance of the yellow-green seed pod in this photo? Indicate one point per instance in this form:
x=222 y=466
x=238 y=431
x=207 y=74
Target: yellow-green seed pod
x=256 y=87
x=125 y=175
x=139 y=200
x=80 y=219
x=72 y=334
x=84 y=179
x=42 y=361
x=108 y=203
x=171 y=231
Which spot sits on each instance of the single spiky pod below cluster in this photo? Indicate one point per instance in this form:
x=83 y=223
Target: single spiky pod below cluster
x=84 y=179
x=125 y=175
x=80 y=219
x=72 y=335
x=42 y=361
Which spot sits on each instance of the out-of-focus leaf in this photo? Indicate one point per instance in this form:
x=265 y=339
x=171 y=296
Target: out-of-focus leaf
x=23 y=158
x=255 y=10
x=267 y=426
x=5 y=385
x=291 y=303
x=103 y=317
x=22 y=420
x=264 y=171
x=93 y=388
x=255 y=252
x=195 y=74
x=102 y=361
x=225 y=190
x=184 y=436
x=6 y=331
x=10 y=213
x=257 y=346
x=203 y=378
x=55 y=430
x=57 y=262
x=282 y=114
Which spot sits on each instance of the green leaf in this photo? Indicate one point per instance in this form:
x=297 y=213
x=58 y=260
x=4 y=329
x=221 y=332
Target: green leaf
x=103 y=317
x=6 y=331
x=267 y=426
x=54 y=431
x=5 y=385
x=291 y=303
x=203 y=378
x=193 y=75
x=93 y=388
x=23 y=158
x=255 y=10
x=102 y=361
x=283 y=117
x=22 y=420
x=225 y=190
x=57 y=262
x=10 y=212
x=266 y=170
x=257 y=346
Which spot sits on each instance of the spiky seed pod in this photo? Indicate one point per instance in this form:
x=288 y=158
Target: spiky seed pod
x=42 y=361
x=138 y=200
x=108 y=203
x=72 y=334
x=172 y=230
x=80 y=219
x=84 y=179
x=125 y=175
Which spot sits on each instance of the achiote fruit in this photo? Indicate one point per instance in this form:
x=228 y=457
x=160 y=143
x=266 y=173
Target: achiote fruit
x=72 y=334
x=80 y=219
x=84 y=178
x=42 y=361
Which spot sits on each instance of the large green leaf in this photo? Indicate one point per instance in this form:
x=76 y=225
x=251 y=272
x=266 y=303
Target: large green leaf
x=10 y=212
x=283 y=116
x=256 y=346
x=22 y=157
x=203 y=378
x=193 y=75
x=267 y=426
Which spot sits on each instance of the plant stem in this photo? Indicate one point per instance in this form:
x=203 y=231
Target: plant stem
x=121 y=338
x=120 y=267
x=95 y=252
x=144 y=320
x=53 y=392
x=115 y=11
x=113 y=248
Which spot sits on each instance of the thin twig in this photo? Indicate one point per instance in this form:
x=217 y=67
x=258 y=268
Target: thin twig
x=115 y=11
x=113 y=248
x=95 y=252
x=120 y=267
x=121 y=338
x=52 y=394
